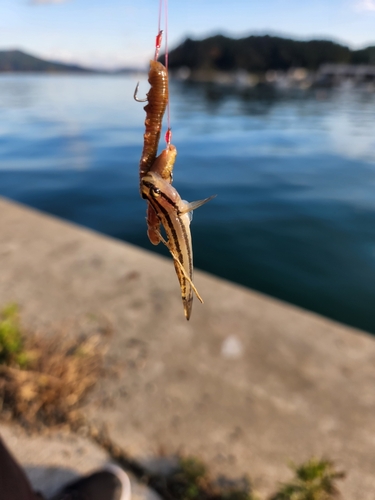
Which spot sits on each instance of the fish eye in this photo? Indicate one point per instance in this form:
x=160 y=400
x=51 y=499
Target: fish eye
x=155 y=192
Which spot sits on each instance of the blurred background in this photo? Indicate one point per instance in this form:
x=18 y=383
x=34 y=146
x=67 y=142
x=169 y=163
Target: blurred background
x=272 y=109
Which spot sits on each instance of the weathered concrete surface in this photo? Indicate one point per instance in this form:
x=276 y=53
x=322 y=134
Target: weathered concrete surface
x=52 y=460
x=248 y=384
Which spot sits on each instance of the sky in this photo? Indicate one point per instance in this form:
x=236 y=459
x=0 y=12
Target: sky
x=116 y=33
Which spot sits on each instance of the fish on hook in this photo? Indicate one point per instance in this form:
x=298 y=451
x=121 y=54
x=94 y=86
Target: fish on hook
x=175 y=216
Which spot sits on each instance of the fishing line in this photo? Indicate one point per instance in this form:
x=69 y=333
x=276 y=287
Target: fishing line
x=160 y=12
x=168 y=135
x=158 y=42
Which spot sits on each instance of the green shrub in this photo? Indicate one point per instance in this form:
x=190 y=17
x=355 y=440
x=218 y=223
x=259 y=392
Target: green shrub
x=11 y=344
x=314 y=480
x=192 y=481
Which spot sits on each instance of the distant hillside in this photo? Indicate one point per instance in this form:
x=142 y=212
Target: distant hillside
x=16 y=60
x=364 y=56
x=257 y=54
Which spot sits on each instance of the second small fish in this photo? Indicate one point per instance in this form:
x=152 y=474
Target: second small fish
x=175 y=215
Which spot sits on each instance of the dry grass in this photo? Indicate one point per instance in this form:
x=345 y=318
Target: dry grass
x=44 y=381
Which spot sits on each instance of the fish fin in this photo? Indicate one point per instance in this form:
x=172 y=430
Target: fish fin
x=189 y=214
x=188 y=278
x=165 y=242
x=195 y=204
x=181 y=267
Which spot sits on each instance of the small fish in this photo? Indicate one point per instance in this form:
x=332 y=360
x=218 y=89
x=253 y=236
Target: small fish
x=175 y=216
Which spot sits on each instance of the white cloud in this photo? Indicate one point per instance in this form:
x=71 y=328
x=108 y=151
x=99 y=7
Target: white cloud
x=43 y=2
x=368 y=5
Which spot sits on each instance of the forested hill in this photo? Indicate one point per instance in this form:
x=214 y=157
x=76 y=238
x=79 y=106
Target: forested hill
x=255 y=54
x=16 y=60
x=261 y=53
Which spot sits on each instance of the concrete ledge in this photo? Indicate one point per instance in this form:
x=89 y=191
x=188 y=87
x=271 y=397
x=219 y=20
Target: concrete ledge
x=248 y=384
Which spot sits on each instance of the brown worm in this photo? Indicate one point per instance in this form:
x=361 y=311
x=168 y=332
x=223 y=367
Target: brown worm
x=157 y=98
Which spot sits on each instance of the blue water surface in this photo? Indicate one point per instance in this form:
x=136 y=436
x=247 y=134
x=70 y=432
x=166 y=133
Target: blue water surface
x=294 y=172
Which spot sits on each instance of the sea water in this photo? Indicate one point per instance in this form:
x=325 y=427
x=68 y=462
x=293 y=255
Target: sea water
x=294 y=174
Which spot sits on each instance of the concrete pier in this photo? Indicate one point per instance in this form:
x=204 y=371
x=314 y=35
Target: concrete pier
x=248 y=384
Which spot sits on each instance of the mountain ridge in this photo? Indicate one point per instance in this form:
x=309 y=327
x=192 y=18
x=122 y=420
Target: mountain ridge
x=254 y=54
x=258 y=54
x=16 y=60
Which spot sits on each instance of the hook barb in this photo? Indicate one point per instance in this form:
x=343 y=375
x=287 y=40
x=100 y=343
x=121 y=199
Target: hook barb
x=136 y=94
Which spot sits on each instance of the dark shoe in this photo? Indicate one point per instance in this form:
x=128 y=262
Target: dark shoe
x=109 y=483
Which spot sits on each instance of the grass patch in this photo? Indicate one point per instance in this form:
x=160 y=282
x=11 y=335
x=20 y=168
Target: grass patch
x=192 y=481
x=189 y=480
x=11 y=341
x=313 y=480
x=44 y=376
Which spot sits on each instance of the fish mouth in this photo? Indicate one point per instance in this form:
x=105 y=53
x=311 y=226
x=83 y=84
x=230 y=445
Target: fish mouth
x=145 y=189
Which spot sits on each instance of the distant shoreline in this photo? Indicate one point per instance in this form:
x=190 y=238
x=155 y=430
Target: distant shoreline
x=328 y=76
x=245 y=62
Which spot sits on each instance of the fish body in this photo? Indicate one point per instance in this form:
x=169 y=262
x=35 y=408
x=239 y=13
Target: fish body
x=175 y=216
